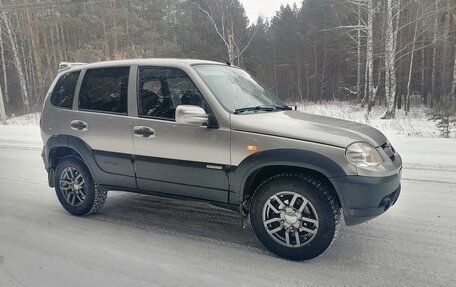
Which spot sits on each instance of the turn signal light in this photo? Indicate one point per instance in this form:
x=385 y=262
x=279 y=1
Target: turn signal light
x=252 y=148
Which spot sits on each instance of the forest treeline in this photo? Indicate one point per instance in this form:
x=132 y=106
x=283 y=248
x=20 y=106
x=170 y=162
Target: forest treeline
x=376 y=52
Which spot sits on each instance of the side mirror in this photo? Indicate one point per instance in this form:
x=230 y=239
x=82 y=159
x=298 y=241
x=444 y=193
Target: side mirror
x=191 y=115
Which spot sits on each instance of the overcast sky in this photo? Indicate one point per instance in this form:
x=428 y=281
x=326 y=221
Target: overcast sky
x=266 y=8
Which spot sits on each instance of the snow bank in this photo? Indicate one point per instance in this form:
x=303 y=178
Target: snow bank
x=25 y=120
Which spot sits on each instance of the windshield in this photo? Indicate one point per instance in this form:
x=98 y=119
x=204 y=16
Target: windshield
x=236 y=89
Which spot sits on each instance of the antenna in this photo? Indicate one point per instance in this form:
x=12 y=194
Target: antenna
x=227 y=62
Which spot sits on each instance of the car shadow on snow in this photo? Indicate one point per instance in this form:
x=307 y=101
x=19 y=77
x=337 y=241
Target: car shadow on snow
x=183 y=218
x=202 y=221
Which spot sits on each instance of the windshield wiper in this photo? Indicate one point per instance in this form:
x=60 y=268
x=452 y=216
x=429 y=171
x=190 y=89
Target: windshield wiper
x=257 y=108
x=284 y=107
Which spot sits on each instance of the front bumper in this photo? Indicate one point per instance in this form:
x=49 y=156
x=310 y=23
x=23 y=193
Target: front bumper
x=366 y=197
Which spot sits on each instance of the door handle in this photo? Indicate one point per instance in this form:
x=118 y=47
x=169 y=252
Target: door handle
x=79 y=125
x=144 y=132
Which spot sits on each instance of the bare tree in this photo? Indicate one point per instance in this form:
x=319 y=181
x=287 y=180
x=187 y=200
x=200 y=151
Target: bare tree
x=412 y=58
x=2 y=108
x=17 y=58
x=2 y=52
x=390 y=51
x=370 y=55
x=453 y=83
x=358 y=46
x=431 y=98
x=225 y=30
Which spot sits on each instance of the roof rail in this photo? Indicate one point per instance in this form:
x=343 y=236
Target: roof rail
x=63 y=66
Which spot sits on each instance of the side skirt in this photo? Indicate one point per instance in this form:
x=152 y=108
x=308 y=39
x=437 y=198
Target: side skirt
x=227 y=206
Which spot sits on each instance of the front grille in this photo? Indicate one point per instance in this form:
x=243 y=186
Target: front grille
x=389 y=150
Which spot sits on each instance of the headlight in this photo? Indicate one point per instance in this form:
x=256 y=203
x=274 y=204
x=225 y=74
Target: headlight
x=363 y=155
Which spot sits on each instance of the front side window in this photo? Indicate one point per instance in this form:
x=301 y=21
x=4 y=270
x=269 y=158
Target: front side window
x=236 y=89
x=63 y=93
x=105 y=90
x=161 y=90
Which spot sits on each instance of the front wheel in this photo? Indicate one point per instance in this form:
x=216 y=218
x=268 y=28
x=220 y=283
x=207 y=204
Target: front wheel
x=294 y=216
x=76 y=189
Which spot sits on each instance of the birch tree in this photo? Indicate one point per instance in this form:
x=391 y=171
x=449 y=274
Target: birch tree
x=412 y=58
x=2 y=52
x=431 y=97
x=2 y=108
x=453 y=83
x=390 y=51
x=358 y=44
x=17 y=59
x=370 y=55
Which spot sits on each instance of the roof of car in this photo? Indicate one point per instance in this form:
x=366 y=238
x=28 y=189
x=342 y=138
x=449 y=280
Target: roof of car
x=147 y=61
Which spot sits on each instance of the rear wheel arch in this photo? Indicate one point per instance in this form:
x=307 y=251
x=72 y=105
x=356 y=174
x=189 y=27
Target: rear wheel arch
x=60 y=146
x=58 y=153
x=78 y=148
x=63 y=146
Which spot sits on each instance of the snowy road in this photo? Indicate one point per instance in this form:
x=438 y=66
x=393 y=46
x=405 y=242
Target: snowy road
x=146 y=241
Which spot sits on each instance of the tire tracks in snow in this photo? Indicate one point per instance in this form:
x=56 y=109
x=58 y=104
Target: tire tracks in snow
x=428 y=180
x=20 y=147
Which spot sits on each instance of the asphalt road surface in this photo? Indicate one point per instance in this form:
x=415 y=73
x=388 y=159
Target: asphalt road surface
x=139 y=240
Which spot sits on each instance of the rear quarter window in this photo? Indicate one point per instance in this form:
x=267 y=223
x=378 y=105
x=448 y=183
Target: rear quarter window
x=63 y=93
x=105 y=90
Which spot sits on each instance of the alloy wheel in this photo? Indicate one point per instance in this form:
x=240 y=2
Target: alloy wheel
x=72 y=185
x=290 y=219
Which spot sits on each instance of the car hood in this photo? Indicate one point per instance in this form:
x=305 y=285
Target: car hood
x=307 y=127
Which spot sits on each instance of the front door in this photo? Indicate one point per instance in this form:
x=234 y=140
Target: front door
x=172 y=158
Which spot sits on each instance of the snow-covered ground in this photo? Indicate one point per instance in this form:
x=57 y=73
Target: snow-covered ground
x=32 y=119
x=140 y=240
x=415 y=124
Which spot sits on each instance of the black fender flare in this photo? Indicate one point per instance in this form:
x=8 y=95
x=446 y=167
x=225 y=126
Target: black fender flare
x=283 y=157
x=85 y=152
x=73 y=143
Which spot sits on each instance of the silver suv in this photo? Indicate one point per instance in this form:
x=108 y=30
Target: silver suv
x=210 y=131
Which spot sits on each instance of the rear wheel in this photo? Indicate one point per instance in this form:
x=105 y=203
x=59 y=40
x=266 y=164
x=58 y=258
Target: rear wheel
x=294 y=216
x=76 y=189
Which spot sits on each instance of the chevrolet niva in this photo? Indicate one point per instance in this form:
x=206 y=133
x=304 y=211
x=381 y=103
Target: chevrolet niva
x=209 y=131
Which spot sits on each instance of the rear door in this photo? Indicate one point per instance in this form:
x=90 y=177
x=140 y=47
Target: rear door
x=100 y=119
x=177 y=159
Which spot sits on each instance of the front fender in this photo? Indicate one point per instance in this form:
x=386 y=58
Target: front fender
x=282 y=157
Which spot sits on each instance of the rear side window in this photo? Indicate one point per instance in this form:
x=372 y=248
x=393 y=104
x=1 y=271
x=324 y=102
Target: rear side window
x=105 y=90
x=63 y=93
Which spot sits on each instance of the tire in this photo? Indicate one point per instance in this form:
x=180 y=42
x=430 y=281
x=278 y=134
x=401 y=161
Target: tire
x=76 y=189
x=277 y=209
